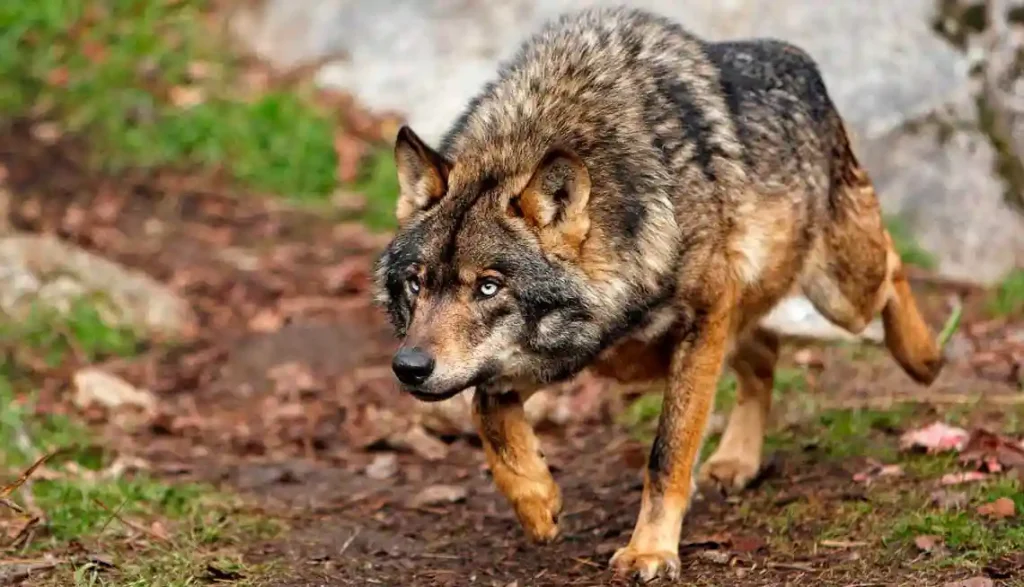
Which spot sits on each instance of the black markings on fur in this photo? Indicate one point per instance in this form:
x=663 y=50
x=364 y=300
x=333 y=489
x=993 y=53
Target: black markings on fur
x=697 y=132
x=659 y=462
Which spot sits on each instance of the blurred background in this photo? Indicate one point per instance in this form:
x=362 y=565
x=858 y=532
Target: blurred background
x=192 y=193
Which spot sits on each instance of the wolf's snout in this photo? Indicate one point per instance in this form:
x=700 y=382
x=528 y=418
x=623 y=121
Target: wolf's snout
x=412 y=366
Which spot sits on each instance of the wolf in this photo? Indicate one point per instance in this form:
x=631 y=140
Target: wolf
x=627 y=197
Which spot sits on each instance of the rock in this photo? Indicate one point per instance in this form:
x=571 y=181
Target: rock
x=417 y=440
x=718 y=557
x=438 y=494
x=926 y=173
x=94 y=386
x=390 y=54
x=41 y=268
x=384 y=466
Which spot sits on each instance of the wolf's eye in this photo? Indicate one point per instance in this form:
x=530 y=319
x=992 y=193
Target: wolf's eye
x=488 y=288
x=413 y=283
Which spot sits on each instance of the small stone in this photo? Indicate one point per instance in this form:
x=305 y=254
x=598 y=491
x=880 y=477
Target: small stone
x=94 y=386
x=383 y=466
x=438 y=494
x=718 y=557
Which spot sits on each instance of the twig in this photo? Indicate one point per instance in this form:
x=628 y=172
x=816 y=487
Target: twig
x=348 y=542
x=841 y=544
x=805 y=567
x=132 y=525
x=112 y=515
x=10 y=504
x=7 y=490
x=589 y=563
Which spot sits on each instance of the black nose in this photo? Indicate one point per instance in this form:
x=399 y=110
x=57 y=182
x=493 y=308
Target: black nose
x=412 y=366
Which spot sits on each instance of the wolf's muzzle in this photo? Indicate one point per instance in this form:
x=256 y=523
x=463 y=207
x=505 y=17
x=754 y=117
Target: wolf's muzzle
x=412 y=366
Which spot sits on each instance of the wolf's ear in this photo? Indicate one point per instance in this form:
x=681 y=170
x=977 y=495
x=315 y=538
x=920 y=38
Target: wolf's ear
x=422 y=174
x=557 y=195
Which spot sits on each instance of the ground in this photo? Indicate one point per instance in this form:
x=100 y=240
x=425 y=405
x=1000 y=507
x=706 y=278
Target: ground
x=278 y=450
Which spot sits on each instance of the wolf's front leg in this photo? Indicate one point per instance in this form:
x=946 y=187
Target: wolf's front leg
x=517 y=464
x=653 y=550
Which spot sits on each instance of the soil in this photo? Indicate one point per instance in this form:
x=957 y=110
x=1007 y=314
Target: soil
x=284 y=395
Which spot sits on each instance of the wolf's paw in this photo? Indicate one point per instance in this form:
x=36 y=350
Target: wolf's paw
x=538 y=511
x=728 y=473
x=645 y=566
x=539 y=519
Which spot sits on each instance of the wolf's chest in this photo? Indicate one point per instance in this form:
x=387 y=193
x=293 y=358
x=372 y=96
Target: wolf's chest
x=646 y=354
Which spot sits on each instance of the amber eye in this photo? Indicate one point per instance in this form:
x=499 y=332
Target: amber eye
x=488 y=288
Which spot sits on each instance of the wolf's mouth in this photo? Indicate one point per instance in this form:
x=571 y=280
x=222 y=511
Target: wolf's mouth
x=434 y=397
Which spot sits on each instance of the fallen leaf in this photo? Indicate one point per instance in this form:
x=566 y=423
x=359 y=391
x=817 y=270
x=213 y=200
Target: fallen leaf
x=158 y=529
x=876 y=470
x=94 y=386
x=808 y=358
x=936 y=437
x=199 y=70
x=58 y=77
x=350 y=151
x=349 y=202
x=417 y=440
x=949 y=500
x=186 y=96
x=47 y=133
x=634 y=455
x=972 y=582
x=992 y=452
x=383 y=466
x=291 y=378
x=94 y=52
x=350 y=276
x=438 y=494
x=931 y=544
x=999 y=509
x=958 y=478
x=266 y=321
x=842 y=543
x=747 y=544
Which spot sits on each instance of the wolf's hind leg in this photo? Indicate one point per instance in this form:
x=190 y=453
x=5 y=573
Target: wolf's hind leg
x=517 y=464
x=855 y=272
x=738 y=457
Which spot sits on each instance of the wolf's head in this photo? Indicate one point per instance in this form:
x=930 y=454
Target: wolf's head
x=482 y=280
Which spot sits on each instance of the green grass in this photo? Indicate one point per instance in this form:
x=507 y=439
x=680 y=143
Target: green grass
x=82 y=330
x=908 y=248
x=641 y=416
x=1008 y=297
x=843 y=434
x=105 y=70
x=970 y=537
x=81 y=501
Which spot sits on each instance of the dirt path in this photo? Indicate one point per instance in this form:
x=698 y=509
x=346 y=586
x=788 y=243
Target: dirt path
x=285 y=396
